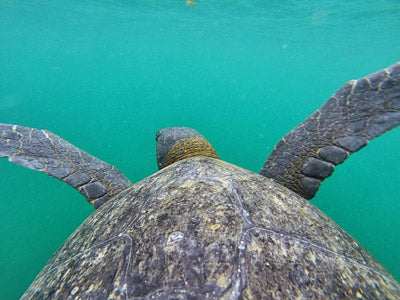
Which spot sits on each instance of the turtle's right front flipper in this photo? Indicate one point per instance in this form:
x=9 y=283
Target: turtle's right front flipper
x=44 y=151
x=358 y=112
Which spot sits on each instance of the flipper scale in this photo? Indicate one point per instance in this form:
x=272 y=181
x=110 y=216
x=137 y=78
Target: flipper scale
x=44 y=151
x=358 y=112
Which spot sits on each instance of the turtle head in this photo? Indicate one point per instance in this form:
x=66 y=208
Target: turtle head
x=177 y=143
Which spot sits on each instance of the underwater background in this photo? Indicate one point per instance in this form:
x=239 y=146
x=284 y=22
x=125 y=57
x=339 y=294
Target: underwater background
x=106 y=75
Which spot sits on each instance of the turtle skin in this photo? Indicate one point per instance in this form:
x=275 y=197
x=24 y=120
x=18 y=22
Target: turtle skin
x=202 y=228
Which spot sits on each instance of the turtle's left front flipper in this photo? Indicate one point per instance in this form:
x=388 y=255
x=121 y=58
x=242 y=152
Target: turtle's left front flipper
x=360 y=111
x=44 y=151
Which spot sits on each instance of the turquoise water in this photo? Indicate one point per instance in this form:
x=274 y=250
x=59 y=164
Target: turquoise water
x=106 y=75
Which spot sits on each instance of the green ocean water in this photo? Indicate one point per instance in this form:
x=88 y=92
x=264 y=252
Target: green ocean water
x=106 y=75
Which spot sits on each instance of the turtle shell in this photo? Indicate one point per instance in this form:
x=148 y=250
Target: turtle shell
x=202 y=228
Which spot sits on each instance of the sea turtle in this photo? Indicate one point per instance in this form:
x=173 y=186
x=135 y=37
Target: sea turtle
x=202 y=228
